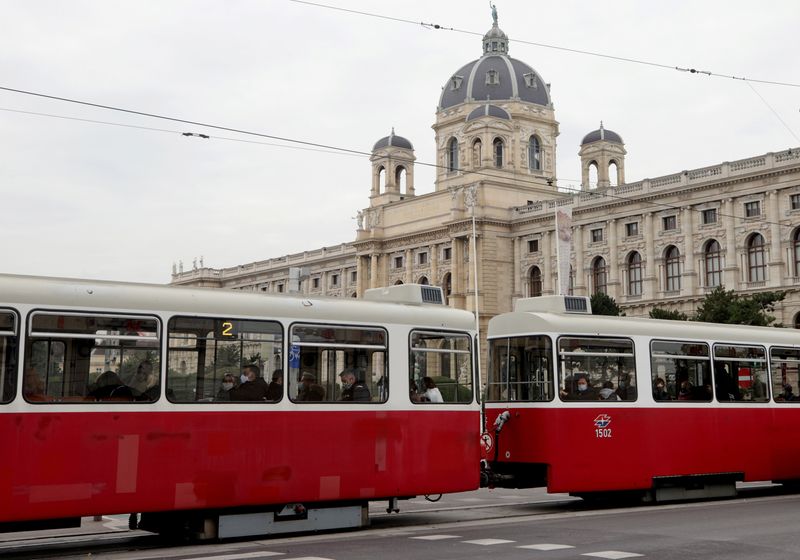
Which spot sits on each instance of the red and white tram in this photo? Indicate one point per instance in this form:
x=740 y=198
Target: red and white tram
x=671 y=408
x=114 y=399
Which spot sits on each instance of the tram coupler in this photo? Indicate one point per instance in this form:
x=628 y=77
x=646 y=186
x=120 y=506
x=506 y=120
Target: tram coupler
x=394 y=505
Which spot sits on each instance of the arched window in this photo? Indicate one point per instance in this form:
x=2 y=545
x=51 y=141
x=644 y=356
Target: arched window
x=423 y=280
x=796 y=245
x=672 y=269
x=534 y=154
x=398 y=283
x=498 y=152
x=476 y=152
x=400 y=178
x=447 y=287
x=713 y=261
x=613 y=173
x=535 y=282
x=599 y=272
x=593 y=175
x=797 y=321
x=635 y=274
x=381 y=179
x=452 y=155
x=756 y=260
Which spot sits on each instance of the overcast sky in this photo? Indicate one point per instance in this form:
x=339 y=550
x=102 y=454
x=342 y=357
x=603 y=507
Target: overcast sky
x=98 y=201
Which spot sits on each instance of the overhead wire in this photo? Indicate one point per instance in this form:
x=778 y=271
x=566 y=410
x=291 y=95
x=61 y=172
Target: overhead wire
x=532 y=185
x=437 y=26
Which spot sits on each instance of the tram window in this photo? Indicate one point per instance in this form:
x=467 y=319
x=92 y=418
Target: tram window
x=739 y=373
x=785 y=366
x=338 y=364
x=86 y=358
x=521 y=369
x=684 y=368
x=446 y=360
x=8 y=355
x=206 y=357
x=596 y=369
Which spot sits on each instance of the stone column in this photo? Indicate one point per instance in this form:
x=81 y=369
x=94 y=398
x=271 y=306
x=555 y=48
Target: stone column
x=434 y=260
x=323 y=278
x=731 y=269
x=409 y=275
x=650 y=279
x=517 y=258
x=458 y=267
x=580 y=274
x=373 y=271
x=360 y=275
x=547 y=265
x=613 y=257
x=776 y=263
x=689 y=282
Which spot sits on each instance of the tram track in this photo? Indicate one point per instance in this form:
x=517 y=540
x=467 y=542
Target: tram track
x=143 y=545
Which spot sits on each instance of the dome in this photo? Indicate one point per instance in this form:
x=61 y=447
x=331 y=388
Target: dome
x=488 y=111
x=495 y=76
x=392 y=140
x=602 y=134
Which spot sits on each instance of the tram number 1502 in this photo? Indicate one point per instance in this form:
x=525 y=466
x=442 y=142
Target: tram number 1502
x=602 y=433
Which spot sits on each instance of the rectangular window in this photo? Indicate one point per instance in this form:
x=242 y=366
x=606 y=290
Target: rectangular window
x=785 y=366
x=632 y=229
x=398 y=262
x=334 y=280
x=681 y=371
x=331 y=363
x=533 y=245
x=710 y=216
x=752 y=209
x=447 y=253
x=795 y=201
x=669 y=222
x=280 y=288
x=596 y=369
x=315 y=283
x=597 y=235
x=440 y=367
x=9 y=340
x=739 y=373
x=422 y=259
x=205 y=355
x=92 y=358
x=521 y=369
x=353 y=277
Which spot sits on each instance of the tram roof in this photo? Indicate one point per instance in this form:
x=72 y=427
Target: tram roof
x=103 y=295
x=522 y=323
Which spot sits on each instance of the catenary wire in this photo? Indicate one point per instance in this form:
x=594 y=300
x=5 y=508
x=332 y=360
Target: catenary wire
x=548 y=46
x=534 y=187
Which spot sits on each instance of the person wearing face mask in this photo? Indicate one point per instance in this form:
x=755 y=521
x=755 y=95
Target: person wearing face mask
x=352 y=389
x=228 y=383
x=252 y=388
x=583 y=390
x=659 y=390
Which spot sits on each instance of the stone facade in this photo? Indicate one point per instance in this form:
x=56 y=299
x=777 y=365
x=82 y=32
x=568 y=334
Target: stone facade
x=665 y=241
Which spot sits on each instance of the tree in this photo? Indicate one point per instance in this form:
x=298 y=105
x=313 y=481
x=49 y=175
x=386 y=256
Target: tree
x=669 y=314
x=724 y=306
x=603 y=304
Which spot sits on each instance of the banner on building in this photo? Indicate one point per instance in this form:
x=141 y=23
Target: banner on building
x=563 y=246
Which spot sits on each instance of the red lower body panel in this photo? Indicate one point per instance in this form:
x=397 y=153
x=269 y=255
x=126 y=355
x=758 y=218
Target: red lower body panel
x=75 y=464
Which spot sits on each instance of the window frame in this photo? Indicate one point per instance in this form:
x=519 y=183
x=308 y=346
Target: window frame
x=756 y=258
x=635 y=282
x=507 y=384
x=561 y=375
x=708 y=213
x=474 y=383
x=669 y=223
x=32 y=337
x=672 y=269
x=631 y=229
x=752 y=209
x=712 y=262
x=290 y=387
x=775 y=368
x=766 y=371
x=708 y=358
x=9 y=376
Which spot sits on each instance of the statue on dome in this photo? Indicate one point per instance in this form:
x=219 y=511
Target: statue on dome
x=494 y=12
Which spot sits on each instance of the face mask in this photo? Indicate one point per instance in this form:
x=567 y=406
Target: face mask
x=660 y=387
x=582 y=387
x=621 y=384
x=227 y=386
x=243 y=378
x=346 y=385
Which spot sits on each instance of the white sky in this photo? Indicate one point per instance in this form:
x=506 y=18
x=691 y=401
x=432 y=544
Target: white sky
x=95 y=201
